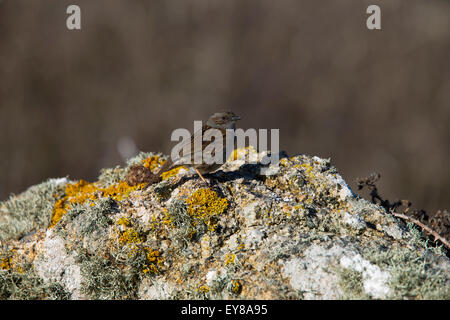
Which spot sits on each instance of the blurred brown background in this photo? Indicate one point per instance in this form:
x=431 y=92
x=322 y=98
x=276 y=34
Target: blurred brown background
x=72 y=101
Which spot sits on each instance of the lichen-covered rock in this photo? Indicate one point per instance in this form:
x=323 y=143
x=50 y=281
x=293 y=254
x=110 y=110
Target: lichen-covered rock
x=298 y=233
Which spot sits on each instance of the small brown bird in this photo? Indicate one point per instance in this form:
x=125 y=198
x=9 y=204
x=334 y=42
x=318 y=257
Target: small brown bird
x=220 y=121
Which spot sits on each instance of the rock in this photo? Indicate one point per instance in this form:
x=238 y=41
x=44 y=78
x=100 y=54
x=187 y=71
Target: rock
x=292 y=230
x=56 y=264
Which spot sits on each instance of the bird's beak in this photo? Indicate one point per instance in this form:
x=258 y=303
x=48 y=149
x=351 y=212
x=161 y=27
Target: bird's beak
x=235 y=118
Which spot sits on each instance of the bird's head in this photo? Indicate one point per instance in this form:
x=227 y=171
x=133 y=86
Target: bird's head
x=223 y=120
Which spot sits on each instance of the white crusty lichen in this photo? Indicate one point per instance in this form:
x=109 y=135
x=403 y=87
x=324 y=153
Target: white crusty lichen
x=354 y=220
x=313 y=275
x=375 y=281
x=56 y=264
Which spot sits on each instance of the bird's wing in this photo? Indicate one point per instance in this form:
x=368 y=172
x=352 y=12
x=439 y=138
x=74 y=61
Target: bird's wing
x=191 y=154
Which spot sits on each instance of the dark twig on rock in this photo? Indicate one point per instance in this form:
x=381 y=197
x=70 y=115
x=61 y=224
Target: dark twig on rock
x=437 y=227
x=420 y=224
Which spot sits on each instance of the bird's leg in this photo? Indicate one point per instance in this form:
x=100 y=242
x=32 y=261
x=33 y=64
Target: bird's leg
x=201 y=177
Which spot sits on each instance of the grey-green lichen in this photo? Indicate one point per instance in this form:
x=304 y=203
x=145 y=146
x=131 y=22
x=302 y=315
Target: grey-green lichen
x=180 y=220
x=105 y=280
x=414 y=272
x=351 y=283
x=29 y=211
x=18 y=280
x=28 y=286
x=111 y=176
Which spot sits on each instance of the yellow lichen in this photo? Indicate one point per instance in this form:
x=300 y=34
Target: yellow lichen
x=59 y=211
x=167 y=220
x=124 y=222
x=203 y=289
x=130 y=236
x=284 y=162
x=248 y=154
x=154 y=261
x=120 y=191
x=230 y=258
x=171 y=173
x=205 y=205
x=152 y=162
x=20 y=270
x=133 y=240
x=233 y=156
x=152 y=255
x=5 y=263
x=236 y=286
x=11 y=262
x=83 y=191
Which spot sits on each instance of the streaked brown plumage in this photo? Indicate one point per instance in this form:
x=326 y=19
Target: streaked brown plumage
x=220 y=121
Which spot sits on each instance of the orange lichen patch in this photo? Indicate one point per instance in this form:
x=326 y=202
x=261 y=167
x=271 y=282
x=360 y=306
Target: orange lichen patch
x=120 y=191
x=171 y=173
x=152 y=162
x=80 y=192
x=205 y=205
x=236 y=286
x=83 y=191
x=59 y=211
x=152 y=255
x=5 y=263
x=203 y=289
x=154 y=261
x=11 y=262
